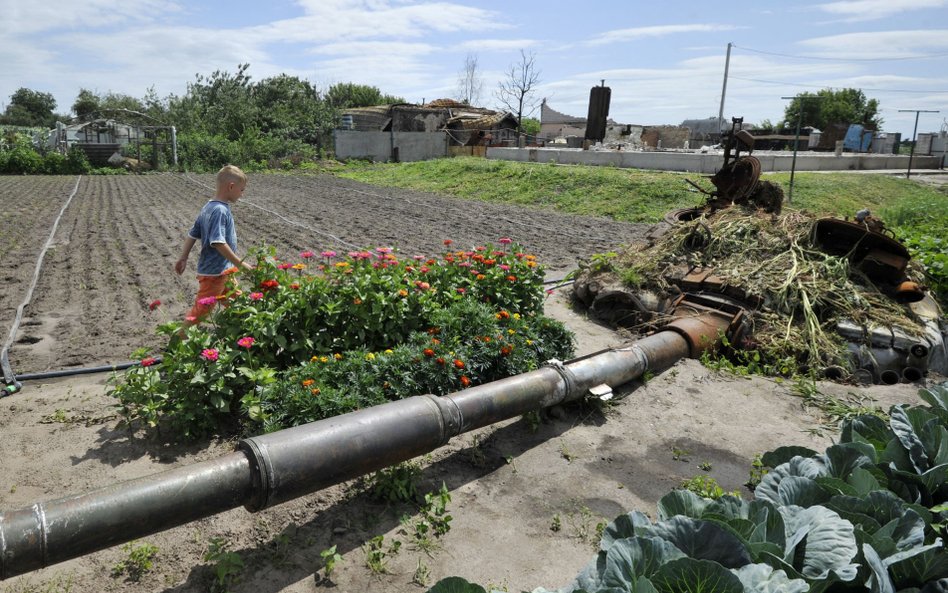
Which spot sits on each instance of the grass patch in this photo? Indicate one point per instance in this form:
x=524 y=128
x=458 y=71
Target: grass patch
x=633 y=195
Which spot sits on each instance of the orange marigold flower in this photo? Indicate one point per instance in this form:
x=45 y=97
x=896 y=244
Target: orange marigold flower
x=356 y=301
x=428 y=352
x=342 y=264
x=489 y=262
x=511 y=278
x=308 y=382
x=229 y=271
x=486 y=339
x=481 y=276
x=403 y=293
x=465 y=382
x=459 y=364
x=531 y=264
x=435 y=341
x=506 y=350
x=434 y=330
x=337 y=356
x=438 y=360
x=503 y=315
x=314 y=391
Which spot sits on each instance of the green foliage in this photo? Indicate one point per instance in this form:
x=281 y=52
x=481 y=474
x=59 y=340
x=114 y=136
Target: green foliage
x=30 y=108
x=827 y=107
x=377 y=555
x=432 y=522
x=705 y=487
x=330 y=558
x=140 y=559
x=359 y=331
x=227 y=565
x=396 y=483
x=347 y=94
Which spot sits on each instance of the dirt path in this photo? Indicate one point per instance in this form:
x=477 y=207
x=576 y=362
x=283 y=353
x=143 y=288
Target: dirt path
x=510 y=483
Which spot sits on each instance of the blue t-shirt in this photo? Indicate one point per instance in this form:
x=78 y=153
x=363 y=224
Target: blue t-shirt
x=215 y=224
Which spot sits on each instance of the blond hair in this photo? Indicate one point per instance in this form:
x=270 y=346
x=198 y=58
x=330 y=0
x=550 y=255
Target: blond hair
x=230 y=173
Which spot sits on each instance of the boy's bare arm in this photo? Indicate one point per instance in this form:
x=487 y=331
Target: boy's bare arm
x=225 y=250
x=182 y=262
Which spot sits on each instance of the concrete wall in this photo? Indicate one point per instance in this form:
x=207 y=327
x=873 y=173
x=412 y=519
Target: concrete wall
x=377 y=146
x=710 y=162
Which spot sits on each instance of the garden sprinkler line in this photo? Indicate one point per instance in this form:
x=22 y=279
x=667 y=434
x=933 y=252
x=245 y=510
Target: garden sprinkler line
x=12 y=385
x=283 y=218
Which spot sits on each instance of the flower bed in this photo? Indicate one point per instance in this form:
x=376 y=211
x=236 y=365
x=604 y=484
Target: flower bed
x=294 y=342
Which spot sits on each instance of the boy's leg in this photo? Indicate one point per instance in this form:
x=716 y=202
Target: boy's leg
x=208 y=286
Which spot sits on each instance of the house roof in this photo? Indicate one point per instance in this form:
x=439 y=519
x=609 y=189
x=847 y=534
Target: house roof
x=548 y=115
x=491 y=121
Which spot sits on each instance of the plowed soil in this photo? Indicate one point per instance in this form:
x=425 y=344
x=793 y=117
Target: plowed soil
x=525 y=499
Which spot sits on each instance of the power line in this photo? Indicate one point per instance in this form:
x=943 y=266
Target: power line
x=902 y=59
x=823 y=86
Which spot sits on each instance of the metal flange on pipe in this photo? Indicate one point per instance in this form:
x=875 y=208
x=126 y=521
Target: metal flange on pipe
x=273 y=468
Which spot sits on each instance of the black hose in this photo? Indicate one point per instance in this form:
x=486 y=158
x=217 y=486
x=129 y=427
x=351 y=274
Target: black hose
x=8 y=377
x=81 y=371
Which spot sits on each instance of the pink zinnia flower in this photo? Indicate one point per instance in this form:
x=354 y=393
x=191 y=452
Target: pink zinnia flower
x=307 y=254
x=418 y=257
x=284 y=266
x=207 y=301
x=256 y=296
x=147 y=362
x=190 y=318
x=461 y=290
x=480 y=248
x=246 y=342
x=210 y=354
x=328 y=254
x=505 y=240
x=504 y=267
x=384 y=249
x=448 y=241
x=154 y=305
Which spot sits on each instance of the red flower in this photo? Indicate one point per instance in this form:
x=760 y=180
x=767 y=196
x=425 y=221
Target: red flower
x=511 y=278
x=448 y=241
x=465 y=382
x=506 y=350
x=440 y=361
x=154 y=305
x=147 y=362
x=269 y=284
x=428 y=352
x=458 y=364
x=505 y=241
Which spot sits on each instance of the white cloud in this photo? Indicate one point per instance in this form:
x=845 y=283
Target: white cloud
x=621 y=35
x=865 y=10
x=22 y=17
x=880 y=44
x=496 y=45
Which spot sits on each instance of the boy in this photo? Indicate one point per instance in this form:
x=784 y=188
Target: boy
x=214 y=228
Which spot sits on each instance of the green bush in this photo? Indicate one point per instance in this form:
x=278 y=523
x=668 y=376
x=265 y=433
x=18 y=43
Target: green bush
x=54 y=163
x=23 y=161
x=77 y=163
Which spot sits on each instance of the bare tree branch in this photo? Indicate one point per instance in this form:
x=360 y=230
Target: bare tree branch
x=517 y=89
x=470 y=83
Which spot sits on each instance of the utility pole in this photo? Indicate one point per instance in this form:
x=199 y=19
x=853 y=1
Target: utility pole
x=908 y=173
x=727 y=65
x=796 y=140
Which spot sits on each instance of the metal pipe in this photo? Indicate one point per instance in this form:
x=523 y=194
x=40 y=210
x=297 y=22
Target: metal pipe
x=889 y=377
x=912 y=374
x=280 y=466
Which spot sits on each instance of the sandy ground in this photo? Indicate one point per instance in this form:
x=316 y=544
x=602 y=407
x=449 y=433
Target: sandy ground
x=510 y=483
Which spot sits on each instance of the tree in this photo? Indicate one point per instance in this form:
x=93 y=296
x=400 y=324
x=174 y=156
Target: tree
x=516 y=90
x=344 y=95
x=828 y=107
x=89 y=104
x=30 y=108
x=470 y=83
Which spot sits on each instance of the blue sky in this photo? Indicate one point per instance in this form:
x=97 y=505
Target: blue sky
x=664 y=60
